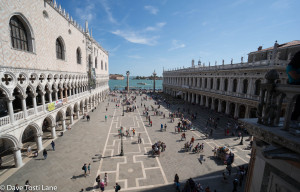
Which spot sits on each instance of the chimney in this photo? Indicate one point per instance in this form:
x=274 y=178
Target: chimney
x=259 y=48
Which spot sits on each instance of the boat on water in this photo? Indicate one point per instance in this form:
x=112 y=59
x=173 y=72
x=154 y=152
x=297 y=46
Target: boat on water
x=141 y=83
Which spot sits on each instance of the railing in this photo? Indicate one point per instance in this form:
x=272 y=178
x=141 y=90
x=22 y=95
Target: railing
x=4 y=120
x=19 y=115
x=30 y=111
x=271 y=101
x=40 y=108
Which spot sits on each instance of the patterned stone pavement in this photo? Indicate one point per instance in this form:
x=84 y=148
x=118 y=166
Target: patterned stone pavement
x=97 y=142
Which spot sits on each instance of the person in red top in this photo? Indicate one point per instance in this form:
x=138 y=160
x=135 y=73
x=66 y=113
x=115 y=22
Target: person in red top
x=192 y=139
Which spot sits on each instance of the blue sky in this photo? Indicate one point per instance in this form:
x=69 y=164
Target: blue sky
x=142 y=35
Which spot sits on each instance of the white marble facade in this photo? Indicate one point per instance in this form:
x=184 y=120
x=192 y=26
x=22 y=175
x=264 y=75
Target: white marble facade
x=33 y=78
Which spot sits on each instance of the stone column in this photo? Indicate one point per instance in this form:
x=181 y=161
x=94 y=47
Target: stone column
x=250 y=87
x=77 y=114
x=53 y=132
x=227 y=108
x=236 y=110
x=71 y=118
x=230 y=83
x=56 y=95
x=239 y=86
x=247 y=112
x=34 y=102
x=50 y=96
x=222 y=82
x=61 y=94
x=39 y=142
x=18 y=157
x=212 y=104
x=66 y=92
x=219 y=106
x=11 y=110
x=201 y=100
x=24 y=108
x=197 y=99
x=64 y=125
x=188 y=97
x=206 y=103
x=288 y=112
x=43 y=101
x=82 y=110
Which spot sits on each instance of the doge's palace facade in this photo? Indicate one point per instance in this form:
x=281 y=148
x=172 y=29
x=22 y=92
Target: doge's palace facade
x=233 y=88
x=52 y=71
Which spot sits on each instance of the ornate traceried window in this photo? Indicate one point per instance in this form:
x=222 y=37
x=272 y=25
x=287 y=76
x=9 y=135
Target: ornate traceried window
x=105 y=66
x=78 y=55
x=101 y=65
x=96 y=63
x=19 y=36
x=59 y=50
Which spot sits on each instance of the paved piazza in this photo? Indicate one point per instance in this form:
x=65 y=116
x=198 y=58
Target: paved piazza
x=97 y=142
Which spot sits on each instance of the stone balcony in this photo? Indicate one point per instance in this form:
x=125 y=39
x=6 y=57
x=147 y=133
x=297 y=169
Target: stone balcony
x=269 y=126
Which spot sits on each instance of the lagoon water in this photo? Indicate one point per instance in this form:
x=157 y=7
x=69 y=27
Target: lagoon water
x=121 y=84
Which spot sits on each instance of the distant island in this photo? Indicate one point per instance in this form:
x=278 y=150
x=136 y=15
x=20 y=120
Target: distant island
x=147 y=77
x=116 y=76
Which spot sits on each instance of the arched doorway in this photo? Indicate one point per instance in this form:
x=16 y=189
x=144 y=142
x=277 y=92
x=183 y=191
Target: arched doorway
x=60 y=121
x=223 y=106
x=69 y=116
x=231 y=109
x=209 y=102
x=216 y=104
x=7 y=145
x=32 y=136
x=252 y=113
x=48 y=128
x=242 y=111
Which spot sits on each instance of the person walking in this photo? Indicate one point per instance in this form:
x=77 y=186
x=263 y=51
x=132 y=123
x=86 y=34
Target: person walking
x=98 y=179
x=89 y=168
x=28 y=151
x=27 y=185
x=53 y=145
x=84 y=168
x=105 y=118
x=133 y=132
x=102 y=185
x=88 y=117
x=139 y=138
x=45 y=153
x=117 y=187
x=105 y=179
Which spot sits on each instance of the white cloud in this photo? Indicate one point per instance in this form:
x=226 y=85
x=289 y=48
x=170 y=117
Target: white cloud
x=135 y=57
x=156 y=27
x=135 y=37
x=151 y=9
x=85 y=13
x=176 y=45
x=108 y=12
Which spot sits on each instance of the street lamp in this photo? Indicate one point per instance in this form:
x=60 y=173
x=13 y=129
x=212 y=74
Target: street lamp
x=154 y=75
x=122 y=152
